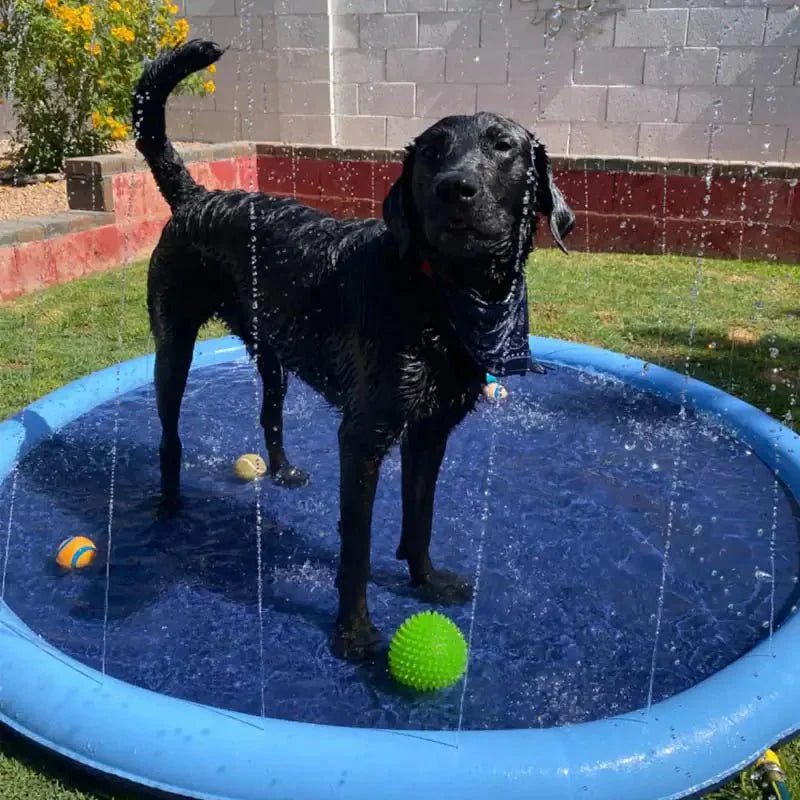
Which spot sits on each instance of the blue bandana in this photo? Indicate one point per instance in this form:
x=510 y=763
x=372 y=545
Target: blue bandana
x=494 y=333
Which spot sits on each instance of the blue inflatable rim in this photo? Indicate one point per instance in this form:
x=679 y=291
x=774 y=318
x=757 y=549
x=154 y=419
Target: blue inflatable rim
x=681 y=746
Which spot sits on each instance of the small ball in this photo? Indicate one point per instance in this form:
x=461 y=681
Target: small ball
x=495 y=392
x=427 y=652
x=249 y=467
x=76 y=552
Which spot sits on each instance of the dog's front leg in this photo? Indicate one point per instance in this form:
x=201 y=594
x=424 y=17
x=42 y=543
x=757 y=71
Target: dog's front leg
x=422 y=451
x=274 y=383
x=360 y=454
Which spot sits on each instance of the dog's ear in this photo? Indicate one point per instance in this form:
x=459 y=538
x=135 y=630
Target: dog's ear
x=549 y=200
x=398 y=209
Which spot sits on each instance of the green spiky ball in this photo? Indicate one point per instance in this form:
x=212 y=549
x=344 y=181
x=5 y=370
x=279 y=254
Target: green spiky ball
x=427 y=652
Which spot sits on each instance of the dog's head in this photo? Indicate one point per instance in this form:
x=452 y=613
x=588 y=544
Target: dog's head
x=470 y=189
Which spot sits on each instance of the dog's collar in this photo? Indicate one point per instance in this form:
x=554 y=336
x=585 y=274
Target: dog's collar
x=425 y=268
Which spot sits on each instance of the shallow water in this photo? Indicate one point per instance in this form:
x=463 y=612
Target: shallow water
x=569 y=581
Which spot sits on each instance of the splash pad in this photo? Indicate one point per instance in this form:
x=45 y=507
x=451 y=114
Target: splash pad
x=655 y=671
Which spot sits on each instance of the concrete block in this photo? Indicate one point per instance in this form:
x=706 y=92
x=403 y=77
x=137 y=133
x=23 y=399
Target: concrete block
x=609 y=65
x=401 y=130
x=681 y=66
x=651 y=28
x=783 y=27
x=385 y=31
x=354 y=131
x=301 y=6
x=777 y=106
x=416 y=5
x=604 y=139
x=757 y=66
x=345 y=99
x=261 y=126
x=304 y=98
x=384 y=99
x=415 y=65
x=476 y=66
x=520 y=101
x=210 y=8
x=359 y=6
x=449 y=30
x=359 y=66
x=724 y=27
x=302 y=30
x=241 y=33
x=302 y=64
x=464 y=5
x=522 y=27
x=641 y=104
x=674 y=140
x=216 y=126
x=553 y=135
x=716 y=104
x=551 y=68
x=443 y=99
x=574 y=103
x=344 y=31
x=201 y=27
x=749 y=142
x=305 y=129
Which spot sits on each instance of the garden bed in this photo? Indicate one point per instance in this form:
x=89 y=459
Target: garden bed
x=115 y=212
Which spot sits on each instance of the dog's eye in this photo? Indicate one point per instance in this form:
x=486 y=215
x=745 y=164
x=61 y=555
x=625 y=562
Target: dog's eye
x=503 y=145
x=430 y=151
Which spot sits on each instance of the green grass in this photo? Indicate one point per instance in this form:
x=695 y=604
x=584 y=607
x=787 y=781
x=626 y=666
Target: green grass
x=742 y=318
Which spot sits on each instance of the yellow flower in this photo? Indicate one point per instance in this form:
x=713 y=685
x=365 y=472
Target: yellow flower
x=119 y=132
x=70 y=60
x=92 y=48
x=51 y=4
x=110 y=110
x=97 y=119
x=123 y=34
x=86 y=19
x=212 y=68
x=209 y=87
x=101 y=82
x=115 y=6
x=181 y=30
x=172 y=8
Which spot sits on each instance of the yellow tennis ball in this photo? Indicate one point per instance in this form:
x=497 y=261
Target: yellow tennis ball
x=76 y=552
x=249 y=467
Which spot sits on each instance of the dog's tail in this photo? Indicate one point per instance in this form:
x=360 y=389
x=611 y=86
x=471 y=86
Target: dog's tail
x=150 y=94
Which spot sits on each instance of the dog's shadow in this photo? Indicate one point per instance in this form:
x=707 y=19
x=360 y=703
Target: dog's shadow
x=210 y=542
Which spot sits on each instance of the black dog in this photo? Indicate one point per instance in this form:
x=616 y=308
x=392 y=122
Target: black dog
x=395 y=324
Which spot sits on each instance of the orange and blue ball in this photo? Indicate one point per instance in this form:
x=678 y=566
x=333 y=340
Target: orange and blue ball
x=76 y=552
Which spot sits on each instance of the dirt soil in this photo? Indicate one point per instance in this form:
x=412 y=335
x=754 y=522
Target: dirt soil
x=38 y=199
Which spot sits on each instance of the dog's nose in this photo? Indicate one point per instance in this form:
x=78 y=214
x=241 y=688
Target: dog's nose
x=457 y=188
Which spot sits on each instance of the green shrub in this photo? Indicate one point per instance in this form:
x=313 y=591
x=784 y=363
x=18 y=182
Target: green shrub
x=69 y=68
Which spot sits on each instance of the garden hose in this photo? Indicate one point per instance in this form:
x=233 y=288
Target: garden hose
x=771 y=778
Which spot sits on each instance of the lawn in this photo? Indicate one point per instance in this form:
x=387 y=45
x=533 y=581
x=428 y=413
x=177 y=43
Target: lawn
x=732 y=324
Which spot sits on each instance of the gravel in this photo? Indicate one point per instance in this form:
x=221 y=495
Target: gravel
x=38 y=199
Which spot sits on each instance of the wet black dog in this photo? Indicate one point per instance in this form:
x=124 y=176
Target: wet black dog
x=389 y=322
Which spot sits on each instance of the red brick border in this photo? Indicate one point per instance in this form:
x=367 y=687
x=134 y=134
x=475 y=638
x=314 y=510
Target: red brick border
x=728 y=210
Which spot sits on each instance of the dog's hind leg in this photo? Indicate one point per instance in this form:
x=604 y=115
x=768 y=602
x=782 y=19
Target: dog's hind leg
x=274 y=383
x=173 y=358
x=421 y=453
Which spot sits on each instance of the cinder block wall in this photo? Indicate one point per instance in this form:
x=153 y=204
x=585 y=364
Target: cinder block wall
x=653 y=78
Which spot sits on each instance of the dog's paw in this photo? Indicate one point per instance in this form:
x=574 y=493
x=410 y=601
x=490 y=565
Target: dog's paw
x=358 y=642
x=441 y=587
x=168 y=505
x=290 y=477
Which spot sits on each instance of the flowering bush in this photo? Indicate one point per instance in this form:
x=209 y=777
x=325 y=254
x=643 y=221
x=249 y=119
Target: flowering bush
x=69 y=67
